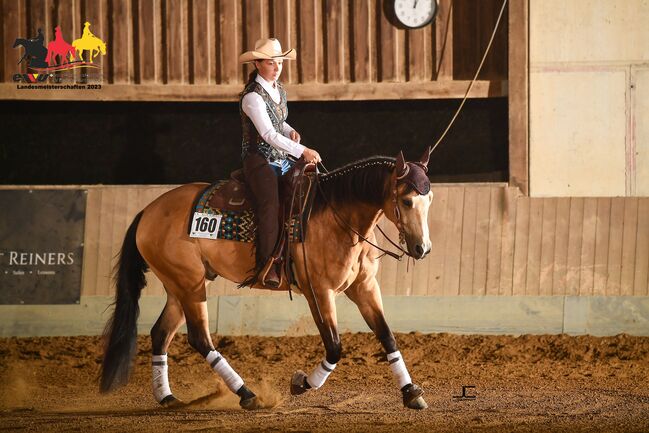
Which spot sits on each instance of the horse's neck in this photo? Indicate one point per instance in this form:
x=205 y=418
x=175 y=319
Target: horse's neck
x=362 y=218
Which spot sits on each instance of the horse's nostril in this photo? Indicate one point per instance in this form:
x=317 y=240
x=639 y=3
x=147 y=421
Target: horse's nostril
x=420 y=250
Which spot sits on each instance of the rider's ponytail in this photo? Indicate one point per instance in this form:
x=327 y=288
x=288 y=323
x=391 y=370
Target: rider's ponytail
x=251 y=79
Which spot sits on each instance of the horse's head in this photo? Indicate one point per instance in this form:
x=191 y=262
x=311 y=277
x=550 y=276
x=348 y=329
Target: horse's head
x=411 y=197
x=102 y=48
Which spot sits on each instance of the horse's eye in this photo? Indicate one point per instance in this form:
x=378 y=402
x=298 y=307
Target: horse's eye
x=407 y=202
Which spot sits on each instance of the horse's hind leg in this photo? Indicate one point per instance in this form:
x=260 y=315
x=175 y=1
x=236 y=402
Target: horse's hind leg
x=171 y=318
x=199 y=338
x=367 y=296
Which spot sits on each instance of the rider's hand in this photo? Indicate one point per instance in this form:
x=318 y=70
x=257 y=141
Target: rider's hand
x=295 y=136
x=311 y=155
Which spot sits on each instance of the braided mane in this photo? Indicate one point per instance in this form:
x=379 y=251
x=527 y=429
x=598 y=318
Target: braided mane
x=363 y=181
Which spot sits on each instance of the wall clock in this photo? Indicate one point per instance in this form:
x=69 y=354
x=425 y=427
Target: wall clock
x=414 y=14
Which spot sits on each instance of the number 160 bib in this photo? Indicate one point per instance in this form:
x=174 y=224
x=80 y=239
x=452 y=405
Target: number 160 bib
x=205 y=225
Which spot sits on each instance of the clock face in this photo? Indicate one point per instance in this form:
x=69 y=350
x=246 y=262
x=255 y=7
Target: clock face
x=415 y=13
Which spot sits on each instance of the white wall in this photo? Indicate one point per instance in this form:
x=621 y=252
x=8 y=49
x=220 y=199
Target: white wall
x=589 y=97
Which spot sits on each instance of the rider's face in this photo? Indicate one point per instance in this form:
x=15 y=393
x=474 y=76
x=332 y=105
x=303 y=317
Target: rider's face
x=269 y=69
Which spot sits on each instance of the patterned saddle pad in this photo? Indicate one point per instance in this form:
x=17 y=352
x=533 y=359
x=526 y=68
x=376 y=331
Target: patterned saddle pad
x=229 y=199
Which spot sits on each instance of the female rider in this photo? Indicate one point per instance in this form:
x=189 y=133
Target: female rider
x=266 y=144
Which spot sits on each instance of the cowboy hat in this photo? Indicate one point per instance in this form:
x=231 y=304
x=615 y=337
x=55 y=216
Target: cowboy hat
x=267 y=49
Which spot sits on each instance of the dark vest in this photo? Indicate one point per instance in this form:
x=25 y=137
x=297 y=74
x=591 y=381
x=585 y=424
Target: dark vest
x=252 y=141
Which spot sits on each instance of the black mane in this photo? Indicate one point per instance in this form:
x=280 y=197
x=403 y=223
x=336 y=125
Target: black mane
x=363 y=181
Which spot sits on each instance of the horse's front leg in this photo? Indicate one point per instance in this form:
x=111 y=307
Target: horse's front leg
x=367 y=296
x=328 y=327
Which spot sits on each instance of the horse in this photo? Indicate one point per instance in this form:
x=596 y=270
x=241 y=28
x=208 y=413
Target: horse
x=89 y=42
x=338 y=255
x=58 y=47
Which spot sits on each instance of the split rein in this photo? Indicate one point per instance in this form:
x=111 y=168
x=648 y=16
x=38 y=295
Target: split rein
x=345 y=225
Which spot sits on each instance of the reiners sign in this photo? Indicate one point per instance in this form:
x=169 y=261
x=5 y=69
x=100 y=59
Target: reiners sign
x=41 y=246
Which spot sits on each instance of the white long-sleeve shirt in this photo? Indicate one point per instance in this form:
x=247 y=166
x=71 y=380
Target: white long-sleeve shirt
x=255 y=108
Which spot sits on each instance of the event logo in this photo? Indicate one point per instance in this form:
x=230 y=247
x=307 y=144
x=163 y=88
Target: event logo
x=60 y=56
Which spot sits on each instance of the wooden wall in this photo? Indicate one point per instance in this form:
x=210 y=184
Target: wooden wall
x=188 y=49
x=487 y=240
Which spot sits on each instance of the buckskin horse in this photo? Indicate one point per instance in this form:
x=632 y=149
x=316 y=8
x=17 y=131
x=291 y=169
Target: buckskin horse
x=337 y=255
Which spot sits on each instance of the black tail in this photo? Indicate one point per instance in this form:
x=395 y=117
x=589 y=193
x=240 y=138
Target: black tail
x=120 y=335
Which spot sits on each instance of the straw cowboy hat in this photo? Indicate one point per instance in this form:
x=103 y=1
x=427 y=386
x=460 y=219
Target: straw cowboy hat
x=267 y=49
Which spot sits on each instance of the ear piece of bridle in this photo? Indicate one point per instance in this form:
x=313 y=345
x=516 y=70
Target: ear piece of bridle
x=423 y=161
x=402 y=167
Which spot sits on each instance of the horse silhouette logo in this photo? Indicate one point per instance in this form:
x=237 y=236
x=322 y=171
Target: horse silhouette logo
x=89 y=42
x=58 y=47
x=35 y=51
x=59 y=54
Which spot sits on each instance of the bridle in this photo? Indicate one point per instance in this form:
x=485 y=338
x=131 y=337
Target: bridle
x=397 y=214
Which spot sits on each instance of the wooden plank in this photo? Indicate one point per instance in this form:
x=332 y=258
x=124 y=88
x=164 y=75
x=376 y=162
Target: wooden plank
x=254 y=15
x=616 y=233
x=201 y=49
x=467 y=251
x=40 y=17
x=335 y=25
x=102 y=285
x=482 y=236
x=283 y=28
x=495 y=242
x=96 y=13
x=12 y=29
x=521 y=242
x=388 y=49
x=438 y=232
x=548 y=246
x=91 y=242
x=148 y=54
x=453 y=248
x=587 y=275
x=533 y=274
x=602 y=231
x=121 y=48
x=518 y=94
x=363 y=55
x=642 y=249
x=177 y=53
x=297 y=92
x=575 y=238
x=231 y=23
x=630 y=230
x=310 y=61
x=510 y=206
x=561 y=237
x=420 y=54
x=444 y=41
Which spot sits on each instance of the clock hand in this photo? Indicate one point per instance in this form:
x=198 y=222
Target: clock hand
x=415 y=5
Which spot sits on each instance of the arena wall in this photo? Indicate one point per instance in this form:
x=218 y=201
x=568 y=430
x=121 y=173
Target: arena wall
x=501 y=263
x=589 y=81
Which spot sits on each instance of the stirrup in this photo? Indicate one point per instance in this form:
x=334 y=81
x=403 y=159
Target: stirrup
x=264 y=274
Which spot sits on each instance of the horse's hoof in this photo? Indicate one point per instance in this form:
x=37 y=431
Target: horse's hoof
x=298 y=383
x=250 y=403
x=249 y=400
x=412 y=397
x=170 y=401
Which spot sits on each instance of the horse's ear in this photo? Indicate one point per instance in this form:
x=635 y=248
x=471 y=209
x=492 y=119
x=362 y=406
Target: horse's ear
x=401 y=164
x=425 y=158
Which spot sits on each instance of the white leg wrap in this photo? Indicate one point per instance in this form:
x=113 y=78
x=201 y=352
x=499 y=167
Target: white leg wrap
x=221 y=366
x=320 y=374
x=160 y=377
x=398 y=367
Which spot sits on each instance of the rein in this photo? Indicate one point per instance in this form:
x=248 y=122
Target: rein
x=345 y=225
